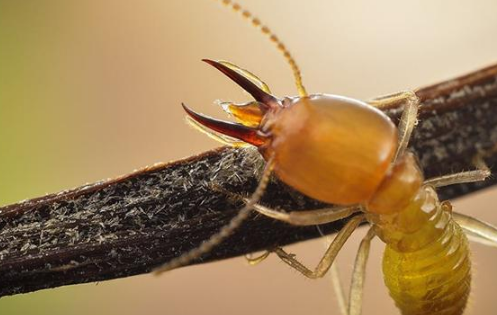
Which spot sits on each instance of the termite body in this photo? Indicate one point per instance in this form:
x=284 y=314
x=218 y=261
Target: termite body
x=348 y=153
x=345 y=152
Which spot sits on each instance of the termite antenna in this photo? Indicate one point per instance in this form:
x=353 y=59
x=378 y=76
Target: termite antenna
x=225 y=231
x=274 y=39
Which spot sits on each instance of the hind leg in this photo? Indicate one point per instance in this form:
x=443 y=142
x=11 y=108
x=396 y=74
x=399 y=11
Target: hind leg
x=338 y=288
x=478 y=231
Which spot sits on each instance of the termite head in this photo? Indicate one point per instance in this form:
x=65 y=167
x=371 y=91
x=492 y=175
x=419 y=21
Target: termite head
x=332 y=148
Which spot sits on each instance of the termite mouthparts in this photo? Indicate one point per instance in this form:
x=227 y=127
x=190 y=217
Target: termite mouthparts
x=249 y=116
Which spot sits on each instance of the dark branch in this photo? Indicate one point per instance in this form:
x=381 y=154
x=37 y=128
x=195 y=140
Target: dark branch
x=129 y=225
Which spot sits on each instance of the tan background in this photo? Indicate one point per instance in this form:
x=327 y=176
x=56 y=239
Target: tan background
x=91 y=89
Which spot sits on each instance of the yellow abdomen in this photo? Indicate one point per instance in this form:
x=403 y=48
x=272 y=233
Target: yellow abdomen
x=434 y=279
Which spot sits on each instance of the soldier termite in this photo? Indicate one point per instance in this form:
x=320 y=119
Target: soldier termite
x=370 y=175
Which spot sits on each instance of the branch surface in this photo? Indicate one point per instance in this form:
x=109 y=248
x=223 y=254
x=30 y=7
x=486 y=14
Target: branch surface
x=131 y=224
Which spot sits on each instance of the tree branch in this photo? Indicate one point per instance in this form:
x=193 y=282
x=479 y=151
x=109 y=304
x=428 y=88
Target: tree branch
x=129 y=225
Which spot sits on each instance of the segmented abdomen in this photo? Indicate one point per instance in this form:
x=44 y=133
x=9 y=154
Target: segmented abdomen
x=432 y=280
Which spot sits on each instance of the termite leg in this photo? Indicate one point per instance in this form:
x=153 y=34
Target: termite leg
x=480 y=174
x=258 y=259
x=330 y=254
x=478 y=231
x=458 y=178
x=302 y=218
x=359 y=274
x=407 y=121
x=338 y=288
x=309 y=217
x=408 y=118
x=392 y=100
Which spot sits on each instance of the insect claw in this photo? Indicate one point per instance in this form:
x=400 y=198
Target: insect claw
x=265 y=100
x=244 y=133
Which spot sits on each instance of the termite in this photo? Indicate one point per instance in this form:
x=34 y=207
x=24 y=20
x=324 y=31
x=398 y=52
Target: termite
x=347 y=152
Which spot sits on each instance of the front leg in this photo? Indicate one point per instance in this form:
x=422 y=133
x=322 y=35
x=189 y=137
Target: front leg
x=301 y=218
x=309 y=217
x=408 y=118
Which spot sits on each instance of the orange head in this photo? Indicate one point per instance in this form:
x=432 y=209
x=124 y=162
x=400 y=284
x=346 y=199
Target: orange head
x=331 y=148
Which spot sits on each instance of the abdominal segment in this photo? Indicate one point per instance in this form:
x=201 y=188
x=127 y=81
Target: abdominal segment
x=434 y=279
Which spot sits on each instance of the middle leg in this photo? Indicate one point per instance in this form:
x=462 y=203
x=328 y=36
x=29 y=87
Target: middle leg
x=330 y=254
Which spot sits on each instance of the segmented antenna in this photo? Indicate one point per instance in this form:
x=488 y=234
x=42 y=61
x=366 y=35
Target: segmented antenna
x=226 y=230
x=274 y=39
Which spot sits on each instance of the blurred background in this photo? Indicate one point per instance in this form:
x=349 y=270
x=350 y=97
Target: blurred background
x=92 y=89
